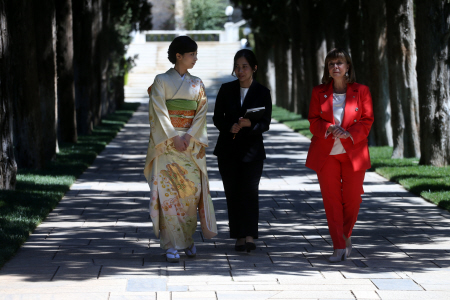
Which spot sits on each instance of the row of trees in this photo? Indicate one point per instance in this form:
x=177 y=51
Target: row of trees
x=62 y=69
x=399 y=48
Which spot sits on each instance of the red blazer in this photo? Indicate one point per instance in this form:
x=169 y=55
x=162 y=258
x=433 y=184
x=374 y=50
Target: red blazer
x=358 y=118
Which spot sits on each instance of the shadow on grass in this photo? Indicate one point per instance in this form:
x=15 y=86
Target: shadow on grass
x=39 y=191
x=445 y=204
x=385 y=163
x=292 y=120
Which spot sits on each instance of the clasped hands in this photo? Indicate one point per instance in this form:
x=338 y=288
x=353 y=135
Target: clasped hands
x=238 y=126
x=338 y=132
x=181 y=143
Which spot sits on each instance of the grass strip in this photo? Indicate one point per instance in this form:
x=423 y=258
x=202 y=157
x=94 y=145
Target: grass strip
x=430 y=182
x=292 y=120
x=39 y=191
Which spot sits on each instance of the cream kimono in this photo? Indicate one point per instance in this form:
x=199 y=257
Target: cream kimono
x=178 y=180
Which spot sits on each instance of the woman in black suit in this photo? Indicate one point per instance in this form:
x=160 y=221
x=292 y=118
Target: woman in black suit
x=240 y=149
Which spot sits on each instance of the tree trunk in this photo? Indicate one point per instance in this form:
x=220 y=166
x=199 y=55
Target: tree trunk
x=296 y=61
x=374 y=13
x=337 y=20
x=318 y=41
x=271 y=73
x=433 y=76
x=118 y=83
x=303 y=64
x=357 y=49
x=25 y=85
x=107 y=101
x=98 y=60
x=266 y=70
x=66 y=90
x=8 y=166
x=82 y=44
x=261 y=53
x=296 y=76
x=281 y=49
x=45 y=32
x=402 y=78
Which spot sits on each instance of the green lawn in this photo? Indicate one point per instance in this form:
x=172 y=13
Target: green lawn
x=38 y=192
x=432 y=183
x=292 y=120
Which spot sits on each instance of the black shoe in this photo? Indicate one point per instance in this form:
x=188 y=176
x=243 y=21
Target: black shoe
x=239 y=248
x=250 y=246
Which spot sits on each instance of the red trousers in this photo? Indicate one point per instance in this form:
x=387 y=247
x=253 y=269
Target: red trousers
x=341 y=189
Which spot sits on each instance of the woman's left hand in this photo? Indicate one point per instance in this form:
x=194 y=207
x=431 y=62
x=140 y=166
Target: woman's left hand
x=245 y=122
x=340 y=133
x=344 y=135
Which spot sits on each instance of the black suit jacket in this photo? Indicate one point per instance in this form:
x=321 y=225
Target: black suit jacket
x=248 y=145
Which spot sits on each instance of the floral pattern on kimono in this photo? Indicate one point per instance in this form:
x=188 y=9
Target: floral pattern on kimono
x=178 y=180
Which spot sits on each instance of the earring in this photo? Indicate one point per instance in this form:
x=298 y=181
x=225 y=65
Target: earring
x=346 y=74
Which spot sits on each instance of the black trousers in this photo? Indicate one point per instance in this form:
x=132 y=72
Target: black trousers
x=241 y=181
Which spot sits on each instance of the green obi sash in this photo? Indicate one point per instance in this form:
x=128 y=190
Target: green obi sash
x=181 y=104
x=181 y=112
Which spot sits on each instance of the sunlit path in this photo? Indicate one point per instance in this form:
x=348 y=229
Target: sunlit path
x=98 y=243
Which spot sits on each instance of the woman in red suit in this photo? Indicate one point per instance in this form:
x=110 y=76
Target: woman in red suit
x=340 y=117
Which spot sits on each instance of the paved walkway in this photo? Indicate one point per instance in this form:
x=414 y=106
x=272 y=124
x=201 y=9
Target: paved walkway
x=98 y=242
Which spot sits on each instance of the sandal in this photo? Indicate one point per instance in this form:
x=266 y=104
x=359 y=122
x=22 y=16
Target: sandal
x=172 y=255
x=191 y=251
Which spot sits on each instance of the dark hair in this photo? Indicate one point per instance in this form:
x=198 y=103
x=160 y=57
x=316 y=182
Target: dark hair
x=249 y=56
x=338 y=53
x=181 y=44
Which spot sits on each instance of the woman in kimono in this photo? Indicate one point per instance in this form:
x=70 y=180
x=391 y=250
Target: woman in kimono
x=175 y=166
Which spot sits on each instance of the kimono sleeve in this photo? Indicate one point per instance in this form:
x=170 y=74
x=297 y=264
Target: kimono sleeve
x=198 y=127
x=160 y=124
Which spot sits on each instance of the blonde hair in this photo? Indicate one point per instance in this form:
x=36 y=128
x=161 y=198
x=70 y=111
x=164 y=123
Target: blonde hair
x=338 y=53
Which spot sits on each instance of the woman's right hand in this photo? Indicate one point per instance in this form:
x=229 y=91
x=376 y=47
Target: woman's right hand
x=235 y=128
x=331 y=128
x=339 y=132
x=179 y=143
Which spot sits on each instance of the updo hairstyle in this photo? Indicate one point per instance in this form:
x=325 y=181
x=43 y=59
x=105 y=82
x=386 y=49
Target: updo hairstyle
x=181 y=44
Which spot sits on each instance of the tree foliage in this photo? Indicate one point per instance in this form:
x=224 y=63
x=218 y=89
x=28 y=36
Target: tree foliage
x=126 y=16
x=205 y=15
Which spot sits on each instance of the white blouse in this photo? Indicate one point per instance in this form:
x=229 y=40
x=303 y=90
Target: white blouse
x=243 y=94
x=338 y=112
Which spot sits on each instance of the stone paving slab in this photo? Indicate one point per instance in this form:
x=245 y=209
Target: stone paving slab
x=99 y=243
